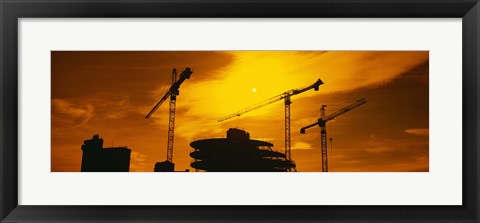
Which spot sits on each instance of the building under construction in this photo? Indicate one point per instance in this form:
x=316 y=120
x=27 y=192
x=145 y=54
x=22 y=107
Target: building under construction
x=238 y=153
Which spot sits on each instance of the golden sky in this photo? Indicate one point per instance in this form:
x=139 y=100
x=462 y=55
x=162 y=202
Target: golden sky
x=109 y=93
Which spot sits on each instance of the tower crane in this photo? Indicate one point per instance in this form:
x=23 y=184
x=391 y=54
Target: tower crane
x=172 y=92
x=286 y=97
x=322 y=121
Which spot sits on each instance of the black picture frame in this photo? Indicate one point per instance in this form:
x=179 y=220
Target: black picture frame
x=12 y=10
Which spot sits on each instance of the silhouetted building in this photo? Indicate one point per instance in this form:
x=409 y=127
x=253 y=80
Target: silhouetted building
x=98 y=159
x=165 y=166
x=237 y=153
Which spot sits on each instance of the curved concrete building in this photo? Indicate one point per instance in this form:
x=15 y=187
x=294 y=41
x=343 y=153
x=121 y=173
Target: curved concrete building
x=237 y=153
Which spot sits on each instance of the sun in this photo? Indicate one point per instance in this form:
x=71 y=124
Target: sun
x=254 y=90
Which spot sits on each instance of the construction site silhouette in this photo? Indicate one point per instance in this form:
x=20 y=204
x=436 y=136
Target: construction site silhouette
x=234 y=153
x=239 y=111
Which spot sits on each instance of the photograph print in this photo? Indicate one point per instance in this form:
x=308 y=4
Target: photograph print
x=240 y=111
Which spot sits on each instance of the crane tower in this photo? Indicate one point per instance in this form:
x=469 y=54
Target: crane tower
x=286 y=97
x=172 y=92
x=322 y=121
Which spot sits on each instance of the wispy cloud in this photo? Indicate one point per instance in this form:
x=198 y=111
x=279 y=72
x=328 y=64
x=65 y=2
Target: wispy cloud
x=301 y=145
x=119 y=109
x=67 y=114
x=379 y=149
x=419 y=132
x=270 y=74
x=138 y=162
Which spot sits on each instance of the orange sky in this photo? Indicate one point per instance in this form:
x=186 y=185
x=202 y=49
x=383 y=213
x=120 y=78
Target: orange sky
x=109 y=93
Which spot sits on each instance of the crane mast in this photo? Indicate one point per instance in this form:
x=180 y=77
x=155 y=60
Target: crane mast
x=171 y=118
x=171 y=128
x=323 y=140
x=322 y=123
x=287 y=127
x=283 y=96
x=173 y=92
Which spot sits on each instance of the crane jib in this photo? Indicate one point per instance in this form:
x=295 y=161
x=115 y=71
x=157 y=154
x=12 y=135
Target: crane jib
x=346 y=109
x=335 y=114
x=173 y=90
x=271 y=100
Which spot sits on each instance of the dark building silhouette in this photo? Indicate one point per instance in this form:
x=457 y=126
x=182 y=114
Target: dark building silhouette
x=98 y=159
x=165 y=166
x=237 y=153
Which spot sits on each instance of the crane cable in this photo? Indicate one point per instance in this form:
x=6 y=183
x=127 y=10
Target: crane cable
x=165 y=86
